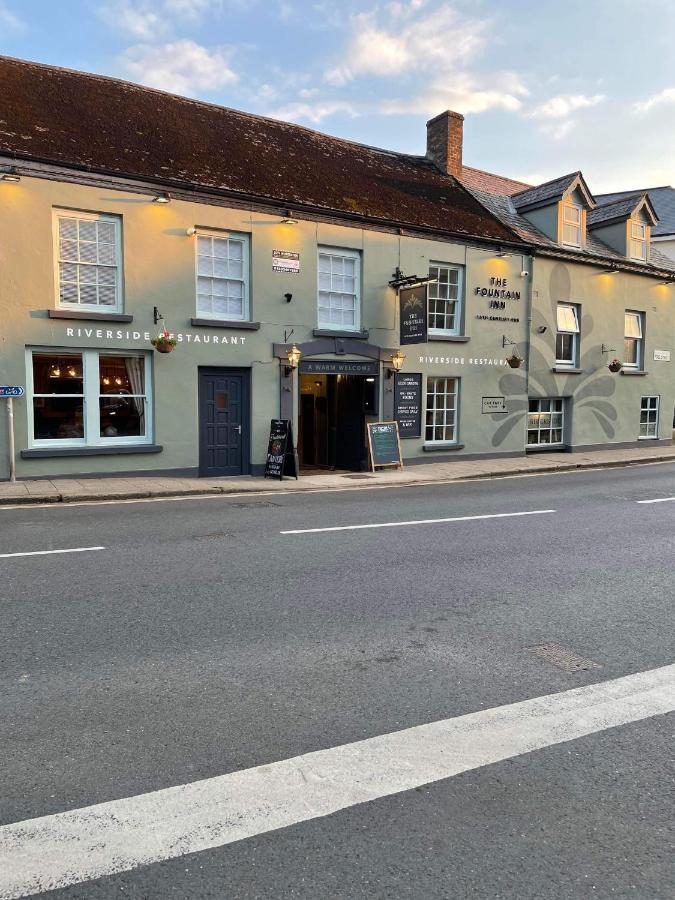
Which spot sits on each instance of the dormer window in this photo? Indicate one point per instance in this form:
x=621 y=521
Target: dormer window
x=571 y=225
x=638 y=241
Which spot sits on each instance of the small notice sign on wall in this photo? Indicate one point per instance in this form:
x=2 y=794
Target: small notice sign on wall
x=494 y=405
x=286 y=261
x=662 y=355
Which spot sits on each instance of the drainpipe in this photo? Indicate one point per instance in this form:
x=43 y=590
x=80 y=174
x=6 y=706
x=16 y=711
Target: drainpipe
x=528 y=313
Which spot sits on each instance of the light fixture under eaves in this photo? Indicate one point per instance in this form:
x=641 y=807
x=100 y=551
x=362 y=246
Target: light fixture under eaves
x=9 y=174
x=502 y=253
x=288 y=219
x=162 y=198
x=667 y=282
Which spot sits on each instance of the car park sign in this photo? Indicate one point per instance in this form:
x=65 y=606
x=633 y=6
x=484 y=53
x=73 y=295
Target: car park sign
x=11 y=390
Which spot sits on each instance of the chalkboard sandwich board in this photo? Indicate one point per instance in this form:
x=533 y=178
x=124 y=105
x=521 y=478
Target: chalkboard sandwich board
x=384 y=448
x=281 y=459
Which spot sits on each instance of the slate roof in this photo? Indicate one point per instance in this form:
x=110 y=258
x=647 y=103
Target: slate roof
x=479 y=180
x=103 y=125
x=616 y=210
x=594 y=251
x=663 y=201
x=549 y=190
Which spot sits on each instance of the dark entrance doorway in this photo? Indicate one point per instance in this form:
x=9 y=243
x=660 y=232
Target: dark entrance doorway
x=224 y=422
x=332 y=420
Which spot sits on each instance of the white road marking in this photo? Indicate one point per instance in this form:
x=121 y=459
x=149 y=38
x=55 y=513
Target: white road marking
x=657 y=500
x=79 y=845
x=509 y=515
x=49 y=552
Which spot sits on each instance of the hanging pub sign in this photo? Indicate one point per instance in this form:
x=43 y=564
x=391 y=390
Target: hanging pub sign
x=413 y=314
x=281 y=459
x=408 y=404
x=384 y=448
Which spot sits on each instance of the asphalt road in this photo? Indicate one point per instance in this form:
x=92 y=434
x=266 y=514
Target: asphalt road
x=202 y=640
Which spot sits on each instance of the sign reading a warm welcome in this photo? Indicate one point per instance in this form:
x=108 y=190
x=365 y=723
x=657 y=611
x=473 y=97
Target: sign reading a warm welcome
x=413 y=314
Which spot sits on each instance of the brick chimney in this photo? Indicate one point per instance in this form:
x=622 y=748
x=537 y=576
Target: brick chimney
x=444 y=142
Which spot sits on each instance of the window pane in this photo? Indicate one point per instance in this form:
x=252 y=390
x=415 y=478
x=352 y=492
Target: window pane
x=122 y=374
x=57 y=374
x=444 y=298
x=58 y=418
x=630 y=354
x=572 y=235
x=633 y=325
x=567 y=318
x=122 y=416
x=572 y=213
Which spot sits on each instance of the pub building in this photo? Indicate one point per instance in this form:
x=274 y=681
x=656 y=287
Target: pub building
x=303 y=277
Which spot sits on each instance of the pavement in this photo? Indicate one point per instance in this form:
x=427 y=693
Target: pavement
x=77 y=490
x=251 y=656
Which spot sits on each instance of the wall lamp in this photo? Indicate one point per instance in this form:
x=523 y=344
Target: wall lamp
x=502 y=253
x=288 y=219
x=397 y=360
x=9 y=174
x=162 y=198
x=611 y=271
x=667 y=282
x=293 y=355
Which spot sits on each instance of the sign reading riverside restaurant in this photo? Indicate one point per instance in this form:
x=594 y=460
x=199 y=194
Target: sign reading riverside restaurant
x=494 y=405
x=112 y=334
x=286 y=261
x=11 y=390
x=384 y=448
x=408 y=404
x=280 y=458
x=413 y=315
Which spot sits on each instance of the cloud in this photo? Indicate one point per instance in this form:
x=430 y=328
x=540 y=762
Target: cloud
x=663 y=97
x=150 y=19
x=439 y=40
x=9 y=19
x=464 y=93
x=562 y=106
x=182 y=67
x=314 y=112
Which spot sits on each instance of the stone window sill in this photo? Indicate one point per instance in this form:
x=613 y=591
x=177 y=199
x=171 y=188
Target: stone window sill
x=634 y=372
x=450 y=338
x=51 y=452
x=90 y=316
x=363 y=334
x=444 y=447
x=222 y=323
x=567 y=370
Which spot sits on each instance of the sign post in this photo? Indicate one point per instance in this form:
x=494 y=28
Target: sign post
x=9 y=392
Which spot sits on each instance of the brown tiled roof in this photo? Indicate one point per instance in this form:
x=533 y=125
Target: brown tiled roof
x=478 y=180
x=104 y=125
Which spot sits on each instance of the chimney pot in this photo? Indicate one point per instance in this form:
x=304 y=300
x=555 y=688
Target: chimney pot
x=444 y=142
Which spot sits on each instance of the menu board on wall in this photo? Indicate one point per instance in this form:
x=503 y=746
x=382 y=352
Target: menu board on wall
x=413 y=314
x=408 y=404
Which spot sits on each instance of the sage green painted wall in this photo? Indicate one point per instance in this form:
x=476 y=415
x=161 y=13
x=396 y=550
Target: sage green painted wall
x=159 y=270
x=545 y=219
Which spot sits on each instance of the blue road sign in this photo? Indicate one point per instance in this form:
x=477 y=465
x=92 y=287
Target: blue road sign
x=11 y=390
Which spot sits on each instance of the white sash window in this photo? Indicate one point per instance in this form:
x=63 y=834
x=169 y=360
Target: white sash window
x=88 y=253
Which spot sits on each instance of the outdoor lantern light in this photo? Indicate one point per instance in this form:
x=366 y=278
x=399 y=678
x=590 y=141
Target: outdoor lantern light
x=288 y=219
x=397 y=360
x=293 y=355
x=9 y=174
x=502 y=253
x=162 y=198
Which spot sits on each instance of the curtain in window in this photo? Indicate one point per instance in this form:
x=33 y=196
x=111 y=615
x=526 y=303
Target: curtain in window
x=134 y=367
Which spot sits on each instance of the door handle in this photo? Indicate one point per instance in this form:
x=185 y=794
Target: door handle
x=238 y=427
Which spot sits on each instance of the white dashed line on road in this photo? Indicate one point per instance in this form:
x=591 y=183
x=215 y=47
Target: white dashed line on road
x=509 y=515
x=657 y=500
x=83 y=844
x=50 y=552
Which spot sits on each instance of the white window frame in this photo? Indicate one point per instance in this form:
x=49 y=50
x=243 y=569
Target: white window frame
x=459 y=302
x=571 y=364
x=638 y=240
x=346 y=254
x=645 y=408
x=245 y=239
x=567 y=205
x=59 y=213
x=560 y=401
x=639 y=339
x=90 y=398
x=442 y=442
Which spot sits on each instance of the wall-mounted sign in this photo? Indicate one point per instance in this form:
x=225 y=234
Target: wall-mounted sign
x=112 y=334
x=498 y=292
x=286 y=261
x=383 y=445
x=494 y=405
x=413 y=315
x=11 y=390
x=337 y=367
x=408 y=404
x=662 y=355
x=461 y=361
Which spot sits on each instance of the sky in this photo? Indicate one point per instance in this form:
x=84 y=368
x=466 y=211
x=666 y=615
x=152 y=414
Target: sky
x=546 y=87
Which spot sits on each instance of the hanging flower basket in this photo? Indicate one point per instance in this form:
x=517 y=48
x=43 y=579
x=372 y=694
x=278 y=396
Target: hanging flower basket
x=164 y=342
x=514 y=361
x=615 y=365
